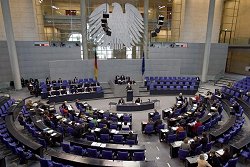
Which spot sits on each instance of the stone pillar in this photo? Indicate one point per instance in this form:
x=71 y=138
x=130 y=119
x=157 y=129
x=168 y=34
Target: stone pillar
x=145 y=40
x=84 y=29
x=11 y=44
x=208 y=40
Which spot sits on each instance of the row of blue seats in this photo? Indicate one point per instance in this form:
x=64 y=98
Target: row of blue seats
x=49 y=163
x=173 y=83
x=67 y=82
x=243 y=84
x=170 y=78
x=104 y=154
x=235 y=93
x=164 y=87
x=4 y=108
x=13 y=145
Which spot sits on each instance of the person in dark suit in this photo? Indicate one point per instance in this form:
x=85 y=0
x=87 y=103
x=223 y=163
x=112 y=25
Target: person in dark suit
x=75 y=80
x=121 y=101
x=104 y=130
x=204 y=140
x=131 y=136
x=194 y=145
x=104 y=121
x=59 y=80
x=138 y=100
x=213 y=160
x=129 y=87
x=156 y=112
x=48 y=81
x=226 y=156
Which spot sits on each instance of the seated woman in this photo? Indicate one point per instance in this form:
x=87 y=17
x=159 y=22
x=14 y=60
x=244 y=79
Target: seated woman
x=185 y=145
x=65 y=108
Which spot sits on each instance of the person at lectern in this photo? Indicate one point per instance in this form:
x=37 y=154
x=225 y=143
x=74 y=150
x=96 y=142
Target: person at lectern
x=129 y=87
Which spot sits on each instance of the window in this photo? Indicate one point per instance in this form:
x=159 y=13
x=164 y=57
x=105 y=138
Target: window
x=76 y=36
x=104 y=52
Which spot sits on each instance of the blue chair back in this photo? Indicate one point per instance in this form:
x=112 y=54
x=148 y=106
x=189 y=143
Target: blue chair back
x=104 y=138
x=139 y=156
x=122 y=155
x=107 y=154
x=182 y=154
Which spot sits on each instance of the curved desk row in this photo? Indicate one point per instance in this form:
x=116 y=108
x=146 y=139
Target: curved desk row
x=38 y=122
x=135 y=106
x=80 y=161
x=72 y=97
x=173 y=91
x=245 y=141
x=219 y=131
x=26 y=142
x=108 y=146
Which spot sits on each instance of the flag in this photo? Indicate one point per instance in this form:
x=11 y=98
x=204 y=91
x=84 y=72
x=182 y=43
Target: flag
x=95 y=67
x=143 y=64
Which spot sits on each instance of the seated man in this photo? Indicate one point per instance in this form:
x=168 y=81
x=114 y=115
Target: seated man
x=59 y=80
x=29 y=104
x=194 y=145
x=138 y=100
x=180 y=97
x=156 y=112
x=104 y=130
x=121 y=101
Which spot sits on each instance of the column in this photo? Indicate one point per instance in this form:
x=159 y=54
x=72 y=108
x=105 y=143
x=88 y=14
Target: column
x=208 y=40
x=145 y=40
x=84 y=29
x=11 y=44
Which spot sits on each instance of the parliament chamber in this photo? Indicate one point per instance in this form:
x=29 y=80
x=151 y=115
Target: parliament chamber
x=132 y=83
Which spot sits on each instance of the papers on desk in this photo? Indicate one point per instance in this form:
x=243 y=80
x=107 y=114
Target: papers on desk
x=103 y=145
x=190 y=141
x=213 y=108
x=53 y=134
x=168 y=110
x=119 y=115
x=39 y=120
x=209 y=114
x=178 y=143
x=50 y=131
x=97 y=129
x=69 y=107
x=114 y=131
x=101 y=111
x=99 y=120
x=138 y=103
x=193 y=98
x=220 y=152
x=58 y=117
x=64 y=119
x=96 y=144
x=164 y=130
x=41 y=109
x=35 y=104
x=46 y=129
x=174 y=128
x=189 y=113
x=192 y=123
x=179 y=102
x=32 y=109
